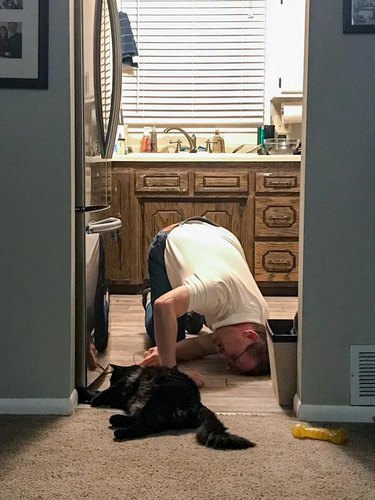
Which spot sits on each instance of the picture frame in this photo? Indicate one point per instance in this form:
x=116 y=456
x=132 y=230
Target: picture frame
x=359 y=16
x=24 y=44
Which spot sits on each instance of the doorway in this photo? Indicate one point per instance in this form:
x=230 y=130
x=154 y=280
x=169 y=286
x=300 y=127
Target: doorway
x=223 y=391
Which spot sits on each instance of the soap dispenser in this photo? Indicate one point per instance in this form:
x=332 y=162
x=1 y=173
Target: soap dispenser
x=154 y=140
x=218 y=144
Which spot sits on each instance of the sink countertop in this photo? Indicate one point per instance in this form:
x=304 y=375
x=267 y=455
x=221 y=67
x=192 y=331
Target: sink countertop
x=205 y=157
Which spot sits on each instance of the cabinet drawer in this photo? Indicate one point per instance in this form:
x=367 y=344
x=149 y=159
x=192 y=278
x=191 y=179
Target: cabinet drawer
x=221 y=182
x=277 y=216
x=161 y=182
x=277 y=183
x=275 y=261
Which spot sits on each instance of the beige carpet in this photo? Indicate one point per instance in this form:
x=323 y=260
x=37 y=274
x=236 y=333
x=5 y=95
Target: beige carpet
x=75 y=457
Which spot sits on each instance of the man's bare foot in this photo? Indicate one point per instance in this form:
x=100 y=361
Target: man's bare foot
x=91 y=357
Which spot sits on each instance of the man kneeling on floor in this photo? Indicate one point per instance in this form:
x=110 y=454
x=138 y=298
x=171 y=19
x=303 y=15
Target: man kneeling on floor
x=199 y=266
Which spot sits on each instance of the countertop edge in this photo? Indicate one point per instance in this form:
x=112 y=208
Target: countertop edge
x=213 y=158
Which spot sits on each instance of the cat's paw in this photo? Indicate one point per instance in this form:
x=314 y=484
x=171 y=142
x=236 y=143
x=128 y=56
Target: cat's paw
x=120 y=434
x=85 y=395
x=119 y=420
x=96 y=400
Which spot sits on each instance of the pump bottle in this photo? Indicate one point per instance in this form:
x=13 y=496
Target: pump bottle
x=218 y=144
x=154 y=140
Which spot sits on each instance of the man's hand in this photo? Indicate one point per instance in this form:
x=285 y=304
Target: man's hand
x=195 y=376
x=151 y=358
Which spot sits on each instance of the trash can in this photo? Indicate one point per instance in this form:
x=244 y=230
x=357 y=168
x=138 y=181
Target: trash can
x=282 y=348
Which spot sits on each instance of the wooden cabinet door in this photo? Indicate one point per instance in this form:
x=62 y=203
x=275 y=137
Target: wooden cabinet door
x=234 y=216
x=225 y=213
x=117 y=246
x=156 y=216
x=160 y=214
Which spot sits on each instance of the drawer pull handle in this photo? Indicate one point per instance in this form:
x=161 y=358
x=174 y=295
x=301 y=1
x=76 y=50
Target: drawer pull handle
x=288 y=183
x=282 y=262
x=280 y=217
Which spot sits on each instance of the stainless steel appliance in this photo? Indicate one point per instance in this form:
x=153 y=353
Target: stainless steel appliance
x=97 y=110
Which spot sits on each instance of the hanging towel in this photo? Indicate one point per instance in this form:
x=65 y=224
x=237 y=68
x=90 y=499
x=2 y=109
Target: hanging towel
x=129 y=47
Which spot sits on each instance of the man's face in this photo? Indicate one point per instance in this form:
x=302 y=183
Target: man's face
x=233 y=344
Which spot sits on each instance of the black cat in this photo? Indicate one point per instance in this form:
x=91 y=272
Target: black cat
x=157 y=399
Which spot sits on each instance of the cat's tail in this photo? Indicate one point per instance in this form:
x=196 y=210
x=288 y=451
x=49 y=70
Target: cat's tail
x=213 y=434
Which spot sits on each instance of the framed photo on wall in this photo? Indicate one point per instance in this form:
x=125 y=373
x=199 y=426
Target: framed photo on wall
x=24 y=44
x=359 y=16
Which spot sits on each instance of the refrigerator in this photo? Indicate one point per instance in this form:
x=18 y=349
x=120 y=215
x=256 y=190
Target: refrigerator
x=97 y=68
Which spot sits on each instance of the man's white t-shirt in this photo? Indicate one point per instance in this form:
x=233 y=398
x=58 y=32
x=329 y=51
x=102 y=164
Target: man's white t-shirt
x=210 y=262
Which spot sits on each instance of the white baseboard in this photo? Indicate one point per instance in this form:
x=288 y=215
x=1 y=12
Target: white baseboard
x=339 y=413
x=39 y=406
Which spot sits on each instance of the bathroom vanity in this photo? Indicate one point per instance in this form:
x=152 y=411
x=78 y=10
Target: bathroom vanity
x=255 y=197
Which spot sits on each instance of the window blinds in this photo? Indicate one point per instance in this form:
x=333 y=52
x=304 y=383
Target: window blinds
x=201 y=62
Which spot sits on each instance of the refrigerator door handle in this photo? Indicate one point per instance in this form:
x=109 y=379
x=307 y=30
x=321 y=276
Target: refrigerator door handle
x=104 y=225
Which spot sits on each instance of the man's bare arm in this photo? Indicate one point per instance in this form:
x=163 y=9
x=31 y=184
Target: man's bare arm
x=186 y=350
x=195 y=347
x=167 y=309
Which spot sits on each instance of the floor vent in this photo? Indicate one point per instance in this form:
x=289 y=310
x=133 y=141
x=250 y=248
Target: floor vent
x=362 y=375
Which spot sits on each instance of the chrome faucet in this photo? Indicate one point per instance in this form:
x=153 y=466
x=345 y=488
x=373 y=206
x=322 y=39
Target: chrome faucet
x=192 y=140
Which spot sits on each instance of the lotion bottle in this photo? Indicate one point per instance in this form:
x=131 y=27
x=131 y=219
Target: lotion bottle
x=146 y=141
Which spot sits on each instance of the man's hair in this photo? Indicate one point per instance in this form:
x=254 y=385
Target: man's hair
x=260 y=352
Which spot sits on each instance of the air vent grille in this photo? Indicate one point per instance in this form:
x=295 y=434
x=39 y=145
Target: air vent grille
x=362 y=375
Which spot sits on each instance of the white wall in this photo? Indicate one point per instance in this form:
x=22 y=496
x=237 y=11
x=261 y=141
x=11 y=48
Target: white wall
x=37 y=230
x=338 y=285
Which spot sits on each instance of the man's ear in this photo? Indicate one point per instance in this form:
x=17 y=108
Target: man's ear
x=251 y=335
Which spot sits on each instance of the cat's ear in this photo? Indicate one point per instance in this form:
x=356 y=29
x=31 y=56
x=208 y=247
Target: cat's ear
x=114 y=367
